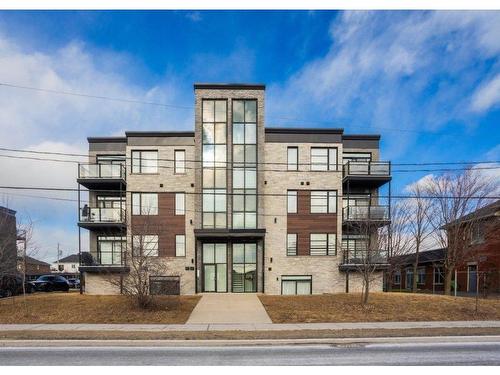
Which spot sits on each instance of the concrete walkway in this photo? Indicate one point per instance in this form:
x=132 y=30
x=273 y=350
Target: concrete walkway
x=247 y=326
x=229 y=308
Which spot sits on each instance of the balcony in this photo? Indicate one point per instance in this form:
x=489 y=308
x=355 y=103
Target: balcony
x=102 y=176
x=371 y=213
x=355 y=259
x=104 y=262
x=371 y=174
x=102 y=218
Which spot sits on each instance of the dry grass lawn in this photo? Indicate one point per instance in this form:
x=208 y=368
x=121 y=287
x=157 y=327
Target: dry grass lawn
x=76 y=308
x=383 y=307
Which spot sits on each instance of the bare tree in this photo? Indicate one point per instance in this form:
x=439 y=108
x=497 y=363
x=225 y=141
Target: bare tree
x=419 y=226
x=399 y=238
x=454 y=196
x=369 y=256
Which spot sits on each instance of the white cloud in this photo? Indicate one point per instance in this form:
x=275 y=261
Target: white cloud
x=487 y=95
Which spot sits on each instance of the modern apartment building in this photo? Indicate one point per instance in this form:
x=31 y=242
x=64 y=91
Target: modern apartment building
x=233 y=206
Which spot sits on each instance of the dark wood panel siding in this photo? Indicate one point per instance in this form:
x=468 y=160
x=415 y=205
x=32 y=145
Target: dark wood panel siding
x=304 y=222
x=166 y=224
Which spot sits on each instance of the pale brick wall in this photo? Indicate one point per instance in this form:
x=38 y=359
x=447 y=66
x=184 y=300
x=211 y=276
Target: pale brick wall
x=101 y=284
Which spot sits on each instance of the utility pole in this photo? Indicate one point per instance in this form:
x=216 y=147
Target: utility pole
x=58 y=254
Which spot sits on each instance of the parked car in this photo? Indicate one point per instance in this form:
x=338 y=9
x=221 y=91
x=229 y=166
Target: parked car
x=12 y=285
x=50 y=283
x=74 y=283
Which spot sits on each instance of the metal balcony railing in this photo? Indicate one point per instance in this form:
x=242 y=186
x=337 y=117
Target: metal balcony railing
x=365 y=257
x=102 y=215
x=367 y=168
x=362 y=213
x=105 y=171
x=104 y=258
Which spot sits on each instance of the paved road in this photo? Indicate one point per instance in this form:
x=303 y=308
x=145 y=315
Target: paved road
x=469 y=353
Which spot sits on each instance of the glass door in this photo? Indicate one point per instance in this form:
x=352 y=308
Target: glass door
x=244 y=268
x=214 y=267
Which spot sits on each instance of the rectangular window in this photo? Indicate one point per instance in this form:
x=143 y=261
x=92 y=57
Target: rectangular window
x=421 y=276
x=180 y=201
x=144 y=203
x=145 y=161
x=180 y=161
x=180 y=245
x=324 y=202
x=214 y=115
x=438 y=275
x=323 y=244
x=292 y=201
x=323 y=159
x=293 y=158
x=147 y=245
x=291 y=285
x=291 y=244
x=397 y=278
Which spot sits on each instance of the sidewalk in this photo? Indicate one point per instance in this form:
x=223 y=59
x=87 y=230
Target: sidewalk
x=247 y=327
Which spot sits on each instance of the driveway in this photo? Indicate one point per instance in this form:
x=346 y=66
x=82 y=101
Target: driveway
x=229 y=308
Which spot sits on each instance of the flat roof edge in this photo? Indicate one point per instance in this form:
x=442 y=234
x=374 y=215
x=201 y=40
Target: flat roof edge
x=361 y=137
x=107 y=139
x=230 y=86
x=160 y=134
x=304 y=130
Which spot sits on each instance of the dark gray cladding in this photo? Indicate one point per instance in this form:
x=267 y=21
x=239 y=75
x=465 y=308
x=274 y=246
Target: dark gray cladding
x=361 y=141
x=180 y=138
x=107 y=144
x=303 y=135
x=230 y=86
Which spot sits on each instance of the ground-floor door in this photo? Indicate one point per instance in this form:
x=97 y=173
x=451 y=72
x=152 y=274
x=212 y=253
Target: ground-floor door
x=244 y=277
x=214 y=267
x=472 y=278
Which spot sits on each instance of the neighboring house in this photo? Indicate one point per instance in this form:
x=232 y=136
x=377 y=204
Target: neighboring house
x=234 y=206
x=34 y=267
x=479 y=269
x=8 y=241
x=430 y=271
x=68 y=266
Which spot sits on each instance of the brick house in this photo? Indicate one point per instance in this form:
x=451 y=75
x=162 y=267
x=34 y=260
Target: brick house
x=480 y=268
x=34 y=267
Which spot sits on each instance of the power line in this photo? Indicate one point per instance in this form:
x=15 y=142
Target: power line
x=260 y=170
x=166 y=105
x=251 y=194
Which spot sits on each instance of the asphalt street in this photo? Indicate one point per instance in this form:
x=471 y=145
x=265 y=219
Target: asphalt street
x=431 y=353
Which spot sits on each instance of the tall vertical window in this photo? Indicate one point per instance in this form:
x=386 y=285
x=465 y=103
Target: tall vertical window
x=293 y=158
x=214 y=118
x=145 y=161
x=323 y=159
x=180 y=202
x=324 y=202
x=110 y=249
x=180 y=161
x=291 y=244
x=144 y=204
x=291 y=202
x=244 y=163
x=180 y=245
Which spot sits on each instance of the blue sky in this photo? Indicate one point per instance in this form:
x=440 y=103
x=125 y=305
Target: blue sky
x=428 y=82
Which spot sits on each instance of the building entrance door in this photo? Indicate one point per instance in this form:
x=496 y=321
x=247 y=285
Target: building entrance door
x=214 y=267
x=244 y=268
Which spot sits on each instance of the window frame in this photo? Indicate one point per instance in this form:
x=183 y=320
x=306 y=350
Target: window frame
x=140 y=151
x=183 y=252
x=295 y=249
x=440 y=275
x=396 y=280
x=290 y=278
x=293 y=167
x=140 y=194
x=419 y=273
x=329 y=209
x=289 y=194
x=177 y=210
x=180 y=169
x=327 y=249
x=134 y=251
x=313 y=167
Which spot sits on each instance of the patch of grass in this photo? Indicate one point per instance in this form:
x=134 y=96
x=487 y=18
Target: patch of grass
x=77 y=308
x=382 y=307
x=243 y=335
